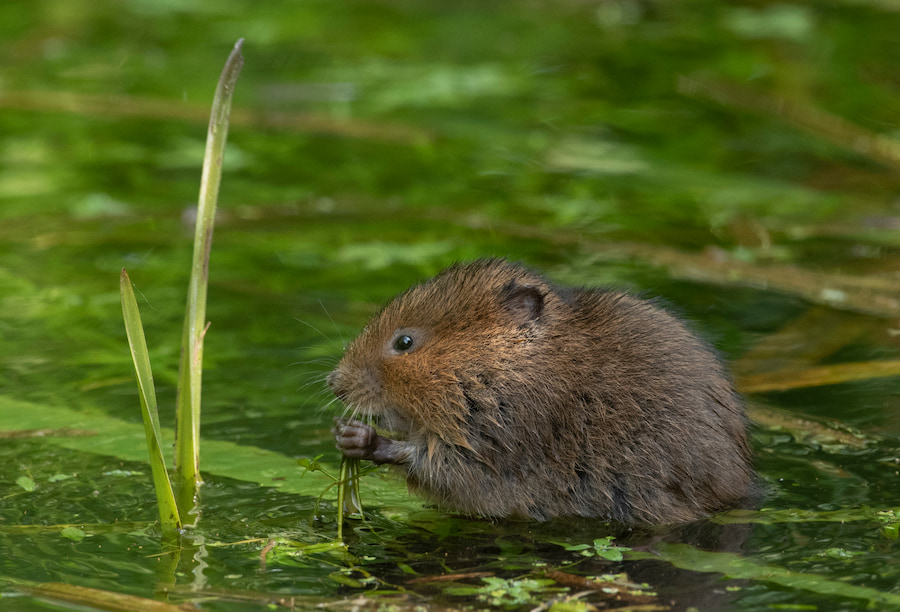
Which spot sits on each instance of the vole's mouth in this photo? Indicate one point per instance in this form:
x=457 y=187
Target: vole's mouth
x=386 y=420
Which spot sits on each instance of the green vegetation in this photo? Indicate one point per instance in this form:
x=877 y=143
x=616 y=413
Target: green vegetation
x=737 y=159
x=169 y=513
x=187 y=410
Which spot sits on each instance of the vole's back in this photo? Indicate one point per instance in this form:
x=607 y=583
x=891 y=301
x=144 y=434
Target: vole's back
x=663 y=428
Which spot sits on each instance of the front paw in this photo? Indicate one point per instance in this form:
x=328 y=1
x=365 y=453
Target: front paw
x=360 y=441
x=354 y=439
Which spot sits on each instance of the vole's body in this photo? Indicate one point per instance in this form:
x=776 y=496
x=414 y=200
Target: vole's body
x=514 y=397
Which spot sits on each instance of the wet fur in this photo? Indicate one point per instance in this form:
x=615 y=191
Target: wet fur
x=525 y=399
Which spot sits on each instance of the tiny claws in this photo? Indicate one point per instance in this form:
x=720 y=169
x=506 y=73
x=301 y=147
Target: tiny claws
x=354 y=439
x=358 y=440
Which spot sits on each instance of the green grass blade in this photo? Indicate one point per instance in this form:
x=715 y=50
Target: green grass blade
x=348 y=494
x=349 y=503
x=352 y=503
x=342 y=498
x=187 y=453
x=169 y=516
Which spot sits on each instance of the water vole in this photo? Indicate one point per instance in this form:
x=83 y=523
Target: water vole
x=510 y=396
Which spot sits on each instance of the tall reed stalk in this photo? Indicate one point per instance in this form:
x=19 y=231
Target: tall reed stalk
x=187 y=404
x=173 y=509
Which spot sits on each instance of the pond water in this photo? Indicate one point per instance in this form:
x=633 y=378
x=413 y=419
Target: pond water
x=740 y=160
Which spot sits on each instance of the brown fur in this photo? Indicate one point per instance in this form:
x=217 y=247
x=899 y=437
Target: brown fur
x=519 y=398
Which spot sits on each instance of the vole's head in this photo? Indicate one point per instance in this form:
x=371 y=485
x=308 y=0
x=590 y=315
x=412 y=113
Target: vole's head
x=439 y=350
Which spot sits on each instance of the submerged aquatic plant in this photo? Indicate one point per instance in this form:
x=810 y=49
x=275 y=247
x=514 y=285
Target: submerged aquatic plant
x=498 y=591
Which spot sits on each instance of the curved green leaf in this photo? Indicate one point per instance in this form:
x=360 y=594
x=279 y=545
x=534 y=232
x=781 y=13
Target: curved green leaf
x=169 y=517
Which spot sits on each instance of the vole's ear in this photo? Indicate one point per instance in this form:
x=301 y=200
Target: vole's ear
x=524 y=303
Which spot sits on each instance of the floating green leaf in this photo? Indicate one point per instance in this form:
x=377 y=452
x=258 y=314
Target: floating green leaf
x=26 y=483
x=601 y=547
x=123 y=440
x=73 y=533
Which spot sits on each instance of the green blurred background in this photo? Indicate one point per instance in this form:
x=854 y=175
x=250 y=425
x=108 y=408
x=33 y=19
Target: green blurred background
x=740 y=160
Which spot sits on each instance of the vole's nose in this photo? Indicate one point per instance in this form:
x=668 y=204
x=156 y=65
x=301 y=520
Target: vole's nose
x=334 y=380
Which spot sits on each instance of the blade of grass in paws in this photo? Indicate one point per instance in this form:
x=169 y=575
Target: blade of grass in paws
x=348 y=493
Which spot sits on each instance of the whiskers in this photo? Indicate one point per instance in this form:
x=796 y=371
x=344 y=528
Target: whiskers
x=321 y=359
x=312 y=387
x=341 y=343
x=350 y=413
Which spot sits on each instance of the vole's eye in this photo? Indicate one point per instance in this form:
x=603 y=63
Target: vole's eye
x=403 y=343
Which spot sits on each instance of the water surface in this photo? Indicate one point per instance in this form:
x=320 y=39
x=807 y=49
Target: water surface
x=738 y=160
